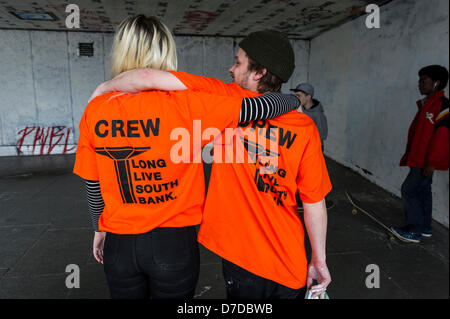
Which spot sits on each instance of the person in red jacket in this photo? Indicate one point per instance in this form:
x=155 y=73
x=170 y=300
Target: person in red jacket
x=427 y=150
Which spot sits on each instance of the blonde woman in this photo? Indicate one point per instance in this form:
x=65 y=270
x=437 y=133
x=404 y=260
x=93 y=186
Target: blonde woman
x=146 y=190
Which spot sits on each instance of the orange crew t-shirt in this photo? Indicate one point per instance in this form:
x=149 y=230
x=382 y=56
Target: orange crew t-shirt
x=250 y=216
x=145 y=150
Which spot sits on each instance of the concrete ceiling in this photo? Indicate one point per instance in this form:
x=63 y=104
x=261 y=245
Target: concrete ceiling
x=299 y=19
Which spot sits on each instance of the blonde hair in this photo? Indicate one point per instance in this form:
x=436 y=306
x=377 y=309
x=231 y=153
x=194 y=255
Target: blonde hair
x=143 y=42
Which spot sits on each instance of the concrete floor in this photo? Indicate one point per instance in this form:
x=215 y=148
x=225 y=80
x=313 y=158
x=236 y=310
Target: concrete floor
x=45 y=226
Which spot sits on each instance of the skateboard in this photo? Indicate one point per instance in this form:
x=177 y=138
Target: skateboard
x=356 y=205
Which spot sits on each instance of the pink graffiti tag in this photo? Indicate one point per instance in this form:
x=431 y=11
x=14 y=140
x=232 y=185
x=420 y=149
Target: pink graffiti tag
x=196 y=19
x=43 y=140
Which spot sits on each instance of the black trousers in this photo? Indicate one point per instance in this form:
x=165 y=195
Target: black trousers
x=242 y=284
x=161 y=264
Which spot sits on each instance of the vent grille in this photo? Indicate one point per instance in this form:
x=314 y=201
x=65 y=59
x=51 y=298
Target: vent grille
x=86 y=49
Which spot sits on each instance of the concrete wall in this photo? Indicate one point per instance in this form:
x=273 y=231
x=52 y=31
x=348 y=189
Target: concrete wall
x=367 y=81
x=45 y=85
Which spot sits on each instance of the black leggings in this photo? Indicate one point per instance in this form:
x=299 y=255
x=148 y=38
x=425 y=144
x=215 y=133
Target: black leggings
x=161 y=264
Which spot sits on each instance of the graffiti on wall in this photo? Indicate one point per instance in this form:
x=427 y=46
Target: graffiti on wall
x=199 y=20
x=299 y=19
x=44 y=140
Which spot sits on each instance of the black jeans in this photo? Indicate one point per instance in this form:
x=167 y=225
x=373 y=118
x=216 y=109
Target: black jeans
x=161 y=264
x=242 y=284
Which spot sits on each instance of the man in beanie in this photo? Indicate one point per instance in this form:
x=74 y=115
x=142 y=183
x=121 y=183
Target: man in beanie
x=250 y=217
x=267 y=53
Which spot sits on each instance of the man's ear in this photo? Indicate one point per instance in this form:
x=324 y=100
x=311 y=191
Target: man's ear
x=436 y=84
x=258 y=75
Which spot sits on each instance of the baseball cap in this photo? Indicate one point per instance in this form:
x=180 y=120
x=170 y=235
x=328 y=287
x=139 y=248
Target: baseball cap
x=305 y=87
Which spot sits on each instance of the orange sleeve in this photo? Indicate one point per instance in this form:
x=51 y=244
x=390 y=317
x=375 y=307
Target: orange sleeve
x=211 y=85
x=312 y=180
x=85 y=161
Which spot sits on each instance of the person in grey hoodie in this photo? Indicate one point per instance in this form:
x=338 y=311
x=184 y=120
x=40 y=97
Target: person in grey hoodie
x=313 y=108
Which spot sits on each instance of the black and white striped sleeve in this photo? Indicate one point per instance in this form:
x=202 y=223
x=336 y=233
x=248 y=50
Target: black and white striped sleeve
x=95 y=201
x=267 y=106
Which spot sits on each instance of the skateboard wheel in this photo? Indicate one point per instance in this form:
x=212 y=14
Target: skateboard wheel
x=354 y=211
x=391 y=238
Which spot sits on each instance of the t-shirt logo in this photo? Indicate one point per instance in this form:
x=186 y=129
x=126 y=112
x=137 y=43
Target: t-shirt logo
x=121 y=156
x=255 y=150
x=266 y=160
x=429 y=116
